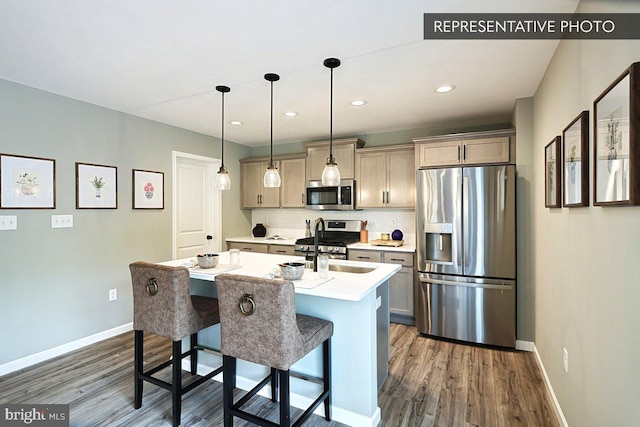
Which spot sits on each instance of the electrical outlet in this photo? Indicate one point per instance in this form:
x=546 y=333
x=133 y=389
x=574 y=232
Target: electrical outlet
x=8 y=222
x=113 y=294
x=61 y=221
x=394 y=222
x=565 y=360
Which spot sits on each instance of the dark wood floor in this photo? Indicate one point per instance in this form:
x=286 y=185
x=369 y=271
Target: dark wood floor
x=431 y=383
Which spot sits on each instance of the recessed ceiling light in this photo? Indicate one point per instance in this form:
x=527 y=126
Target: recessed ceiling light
x=291 y=113
x=445 y=88
x=235 y=122
x=358 y=102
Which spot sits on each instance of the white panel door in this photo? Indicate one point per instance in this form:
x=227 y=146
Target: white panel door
x=197 y=210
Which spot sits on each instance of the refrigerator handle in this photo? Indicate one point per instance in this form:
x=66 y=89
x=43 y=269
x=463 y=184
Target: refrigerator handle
x=501 y=183
x=465 y=220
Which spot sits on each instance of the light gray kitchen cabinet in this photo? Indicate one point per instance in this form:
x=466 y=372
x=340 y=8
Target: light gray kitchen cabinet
x=249 y=247
x=343 y=153
x=466 y=149
x=364 y=255
x=385 y=177
x=401 y=301
x=281 y=249
x=254 y=194
x=262 y=248
x=401 y=285
x=292 y=190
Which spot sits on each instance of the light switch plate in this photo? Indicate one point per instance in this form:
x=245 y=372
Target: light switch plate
x=8 y=222
x=61 y=221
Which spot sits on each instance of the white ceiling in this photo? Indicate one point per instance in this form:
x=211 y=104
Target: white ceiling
x=161 y=59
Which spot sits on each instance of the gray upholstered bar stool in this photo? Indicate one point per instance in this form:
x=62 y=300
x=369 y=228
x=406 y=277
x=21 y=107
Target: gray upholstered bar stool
x=259 y=324
x=162 y=305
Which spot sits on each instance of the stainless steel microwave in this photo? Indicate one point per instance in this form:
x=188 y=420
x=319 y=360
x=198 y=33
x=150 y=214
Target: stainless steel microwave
x=342 y=197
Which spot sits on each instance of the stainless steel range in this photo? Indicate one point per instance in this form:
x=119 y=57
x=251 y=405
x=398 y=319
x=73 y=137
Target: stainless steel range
x=333 y=242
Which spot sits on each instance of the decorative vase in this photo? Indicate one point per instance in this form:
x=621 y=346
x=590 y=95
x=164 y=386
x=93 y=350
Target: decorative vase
x=397 y=235
x=259 y=230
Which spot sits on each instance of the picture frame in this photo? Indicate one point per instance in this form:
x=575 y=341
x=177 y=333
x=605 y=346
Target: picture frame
x=616 y=151
x=96 y=186
x=27 y=182
x=575 y=162
x=148 y=189
x=552 y=174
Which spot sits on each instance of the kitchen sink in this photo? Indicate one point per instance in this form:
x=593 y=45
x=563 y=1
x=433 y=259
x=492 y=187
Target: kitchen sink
x=350 y=268
x=342 y=268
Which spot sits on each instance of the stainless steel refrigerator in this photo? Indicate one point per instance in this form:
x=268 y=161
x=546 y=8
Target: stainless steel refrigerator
x=467 y=254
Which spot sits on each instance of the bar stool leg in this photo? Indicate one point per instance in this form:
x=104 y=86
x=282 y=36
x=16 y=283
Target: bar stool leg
x=176 y=382
x=326 y=377
x=139 y=341
x=228 y=384
x=193 y=353
x=274 y=385
x=285 y=404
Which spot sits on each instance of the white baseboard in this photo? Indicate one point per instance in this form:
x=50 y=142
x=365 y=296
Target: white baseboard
x=525 y=345
x=547 y=382
x=32 y=359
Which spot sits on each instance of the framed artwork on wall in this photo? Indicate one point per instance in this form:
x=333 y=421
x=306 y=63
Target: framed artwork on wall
x=575 y=162
x=616 y=151
x=148 y=189
x=552 y=174
x=27 y=182
x=96 y=186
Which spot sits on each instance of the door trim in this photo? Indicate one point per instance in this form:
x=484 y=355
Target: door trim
x=216 y=205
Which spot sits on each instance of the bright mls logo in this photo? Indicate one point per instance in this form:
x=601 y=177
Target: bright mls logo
x=460 y=26
x=34 y=415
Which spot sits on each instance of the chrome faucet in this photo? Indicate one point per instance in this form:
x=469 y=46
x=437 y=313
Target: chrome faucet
x=319 y=221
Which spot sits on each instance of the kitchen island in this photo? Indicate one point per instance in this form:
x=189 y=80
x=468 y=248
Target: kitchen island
x=357 y=304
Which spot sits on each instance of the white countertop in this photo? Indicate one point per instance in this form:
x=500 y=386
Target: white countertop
x=268 y=240
x=290 y=241
x=406 y=247
x=342 y=286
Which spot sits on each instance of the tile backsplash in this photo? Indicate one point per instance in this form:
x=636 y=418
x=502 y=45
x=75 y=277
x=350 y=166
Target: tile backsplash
x=290 y=223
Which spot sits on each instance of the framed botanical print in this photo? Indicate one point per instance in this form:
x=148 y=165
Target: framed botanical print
x=27 y=182
x=96 y=186
x=552 y=174
x=575 y=162
x=616 y=152
x=148 y=189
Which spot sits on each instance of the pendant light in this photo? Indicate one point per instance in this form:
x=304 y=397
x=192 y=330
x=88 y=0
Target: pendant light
x=223 y=182
x=271 y=176
x=331 y=174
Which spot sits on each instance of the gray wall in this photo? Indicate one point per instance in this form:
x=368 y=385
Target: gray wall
x=54 y=282
x=523 y=122
x=586 y=259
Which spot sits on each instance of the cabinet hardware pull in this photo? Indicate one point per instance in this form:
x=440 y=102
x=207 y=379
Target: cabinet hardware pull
x=364 y=257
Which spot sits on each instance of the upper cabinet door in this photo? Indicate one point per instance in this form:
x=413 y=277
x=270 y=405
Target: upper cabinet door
x=343 y=153
x=251 y=185
x=385 y=178
x=439 y=153
x=292 y=191
x=401 y=179
x=485 y=151
x=371 y=179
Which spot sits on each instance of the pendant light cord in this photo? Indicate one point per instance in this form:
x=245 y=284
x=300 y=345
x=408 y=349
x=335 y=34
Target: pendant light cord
x=331 y=159
x=271 y=145
x=222 y=160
